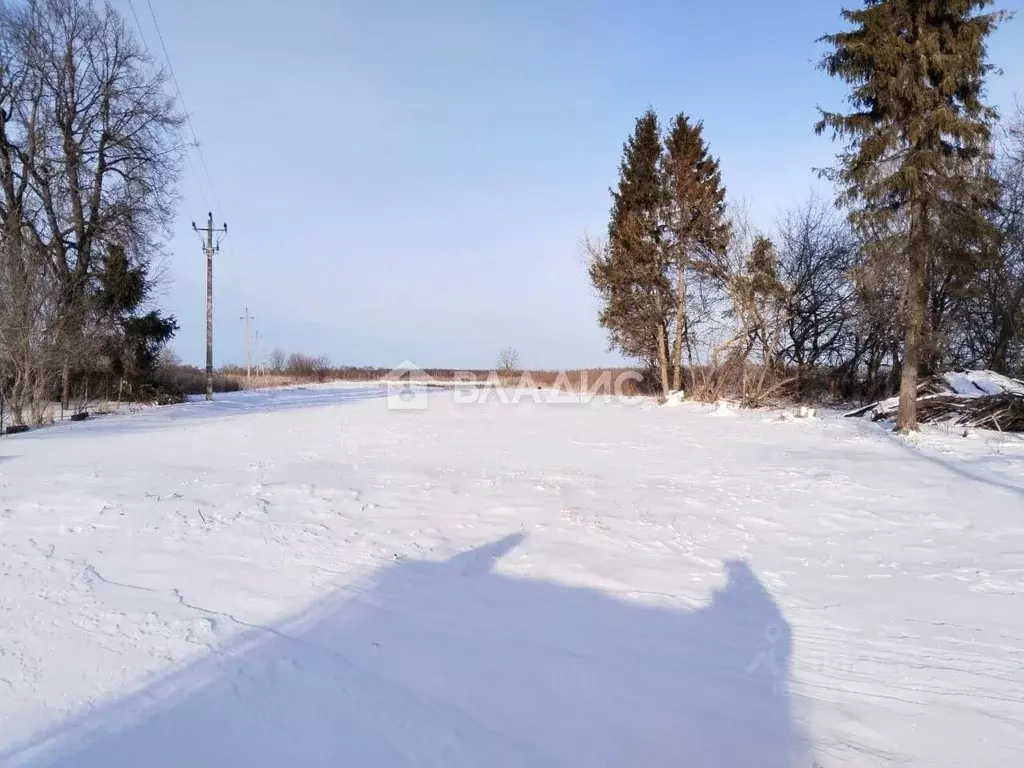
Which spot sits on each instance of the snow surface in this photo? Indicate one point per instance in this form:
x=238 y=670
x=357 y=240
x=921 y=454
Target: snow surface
x=307 y=578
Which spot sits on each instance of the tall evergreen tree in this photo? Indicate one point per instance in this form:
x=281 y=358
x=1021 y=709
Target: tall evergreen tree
x=133 y=338
x=917 y=72
x=695 y=217
x=630 y=274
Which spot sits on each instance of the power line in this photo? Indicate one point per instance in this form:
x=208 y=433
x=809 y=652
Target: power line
x=208 y=247
x=195 y=141
x=188 y=117
x=137 y=24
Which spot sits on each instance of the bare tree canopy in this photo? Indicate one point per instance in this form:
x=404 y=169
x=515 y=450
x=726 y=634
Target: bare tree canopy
x=508 y=362
x=90 y=152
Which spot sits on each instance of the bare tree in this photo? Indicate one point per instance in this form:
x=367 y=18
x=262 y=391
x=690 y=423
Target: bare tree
x=278 y=360
x=89 y=156
x=321 y=367
x=988 y=324
x=508 y=362
x=817 y=250
x=168 y=358
x=29 y=320
x=299 y=364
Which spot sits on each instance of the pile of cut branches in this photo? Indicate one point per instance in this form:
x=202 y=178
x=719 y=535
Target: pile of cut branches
x=978 y=399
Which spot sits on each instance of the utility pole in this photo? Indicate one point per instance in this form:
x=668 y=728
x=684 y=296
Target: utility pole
x=209 y=249
x=248 y=352
x=259 y=355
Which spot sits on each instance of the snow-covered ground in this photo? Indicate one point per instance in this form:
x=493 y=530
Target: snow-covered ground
x=307 y=578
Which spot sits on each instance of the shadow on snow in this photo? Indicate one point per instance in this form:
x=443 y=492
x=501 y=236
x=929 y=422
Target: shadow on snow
x=963 y=466
x=454 y=664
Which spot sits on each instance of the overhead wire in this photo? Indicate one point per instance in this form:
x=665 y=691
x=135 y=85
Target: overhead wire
x=188 y=155
x=188 y=117
x=181 y=98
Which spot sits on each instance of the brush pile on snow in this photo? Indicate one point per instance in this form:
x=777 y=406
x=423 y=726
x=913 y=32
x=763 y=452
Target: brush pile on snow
x=980 y=399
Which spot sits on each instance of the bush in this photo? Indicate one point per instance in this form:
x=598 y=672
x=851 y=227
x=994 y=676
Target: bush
x=174 y=382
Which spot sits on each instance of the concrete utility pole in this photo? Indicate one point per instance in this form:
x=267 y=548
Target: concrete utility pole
x=209 y=249
x=246 y=318
x=259 y=355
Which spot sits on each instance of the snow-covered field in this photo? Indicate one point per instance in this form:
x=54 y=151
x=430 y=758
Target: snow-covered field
x=307 y=578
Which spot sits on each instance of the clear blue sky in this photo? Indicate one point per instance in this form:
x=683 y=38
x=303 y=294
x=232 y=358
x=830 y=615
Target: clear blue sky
x=410 y=180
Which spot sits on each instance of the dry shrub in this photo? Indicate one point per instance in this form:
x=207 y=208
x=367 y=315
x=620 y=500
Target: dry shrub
x=599 y=382
x=595 y=381
x=190 y=380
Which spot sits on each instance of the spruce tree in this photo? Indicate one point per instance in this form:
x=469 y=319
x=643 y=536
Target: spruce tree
x=918 y=119
x=630 y=274
x=696 y=218
x=133 y=339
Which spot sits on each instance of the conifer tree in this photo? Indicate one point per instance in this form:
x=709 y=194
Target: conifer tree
x=695 y=217
x=629 y=274
x=133 y=338
x=918 y=119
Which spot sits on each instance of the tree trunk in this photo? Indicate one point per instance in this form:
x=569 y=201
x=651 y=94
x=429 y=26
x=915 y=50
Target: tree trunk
x=1007 y=328
x=65 y=387
x=916 y=299
x=875 y=386
x=663 y=358
x=689 y=346
x=677 y=351
x=893 y=385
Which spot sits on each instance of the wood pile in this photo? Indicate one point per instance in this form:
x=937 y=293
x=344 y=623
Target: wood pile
x=973 y=399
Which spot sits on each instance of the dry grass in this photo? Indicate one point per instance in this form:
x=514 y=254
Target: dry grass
x=596 y=381
x=737 y=380
x=268 y=380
